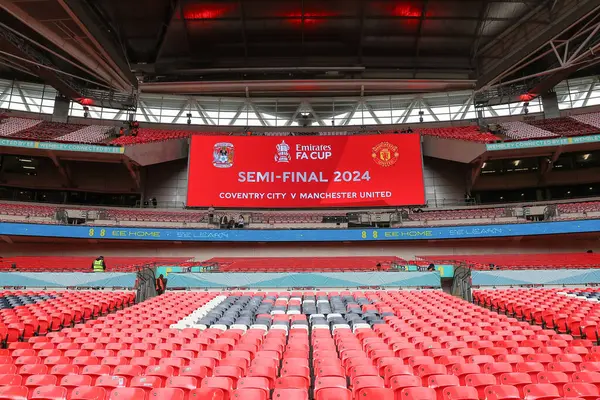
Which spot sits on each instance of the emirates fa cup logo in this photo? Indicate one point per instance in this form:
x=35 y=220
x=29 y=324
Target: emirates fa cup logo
x=283 y=153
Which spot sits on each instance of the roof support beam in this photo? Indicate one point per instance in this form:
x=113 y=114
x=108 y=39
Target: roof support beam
x=406 y=113
x=361 y=29
x=373 y=115
x=243 y=22
x=170 y=14
x=238 y=113
x=419 y=33
x=207 y=119
x=347 y=120
x=294 y=116
x=258 y=114
x=428 y=108
x=105 y=54
x=526 y=38
x=22 y=96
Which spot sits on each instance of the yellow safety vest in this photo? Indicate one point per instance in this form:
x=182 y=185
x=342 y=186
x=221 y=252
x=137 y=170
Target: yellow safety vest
x=98 y=266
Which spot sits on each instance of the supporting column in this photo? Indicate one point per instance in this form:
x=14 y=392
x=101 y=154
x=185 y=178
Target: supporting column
x=61 y=109
x=550 y=103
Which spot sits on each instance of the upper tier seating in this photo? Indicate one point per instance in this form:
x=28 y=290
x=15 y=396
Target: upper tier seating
x=148 y=135
x=13 y=125
x=592 y=119
x=88 y=134
x=82 y=264
x=383 y=345
x=24 y=315
x=469 y=133
x=565 y=126
x=522 y=261
x=47 y=130
x=303 y=264
x=521 y=131
x=457 y=214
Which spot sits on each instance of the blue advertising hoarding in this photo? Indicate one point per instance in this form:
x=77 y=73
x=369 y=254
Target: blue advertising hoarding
x=301 y=235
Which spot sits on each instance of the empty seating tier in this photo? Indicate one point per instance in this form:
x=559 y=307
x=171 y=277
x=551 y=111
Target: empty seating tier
x=25 y=315
x=303 y=264
x=385 y=345
x=83 y=264
x=521 y=131
x=158 y=216
x=569 y=311
x=476 y=213
x=521 y=261
x=148 y=135
x=88 y=134
x=588 y=206
x=565 y=126
x=10 y=126
x=47 y=130
x=469 y=133
x=592 y=119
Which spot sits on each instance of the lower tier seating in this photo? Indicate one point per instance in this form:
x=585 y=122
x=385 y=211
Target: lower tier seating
x=25 y=315
x=348 y=345
x=82 y=264
x=575 y=312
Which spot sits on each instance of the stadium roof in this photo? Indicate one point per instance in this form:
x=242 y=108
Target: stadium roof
x=264 y=47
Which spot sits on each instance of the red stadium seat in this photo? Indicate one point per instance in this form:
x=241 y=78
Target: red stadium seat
x=502 y=392
x=460 y=393
x=586 y=391
x=88 y=393
x=335 y=394
x=208 y=393
x=167 y=394
x=418 y=393
x=49 y=392
x=13 y=393
x=540 y=391
x=128 y=394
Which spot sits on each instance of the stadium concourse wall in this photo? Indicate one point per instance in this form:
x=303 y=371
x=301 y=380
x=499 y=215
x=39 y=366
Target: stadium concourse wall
x=343 y=280
x=547 y=277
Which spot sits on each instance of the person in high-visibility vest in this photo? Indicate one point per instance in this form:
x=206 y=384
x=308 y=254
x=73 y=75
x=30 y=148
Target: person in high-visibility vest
x=98 y=265
x=161 y=284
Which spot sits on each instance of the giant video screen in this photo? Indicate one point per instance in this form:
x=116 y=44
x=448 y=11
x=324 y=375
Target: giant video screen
x=305 y=171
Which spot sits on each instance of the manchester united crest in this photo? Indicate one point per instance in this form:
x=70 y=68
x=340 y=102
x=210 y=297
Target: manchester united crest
x=385 y=154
